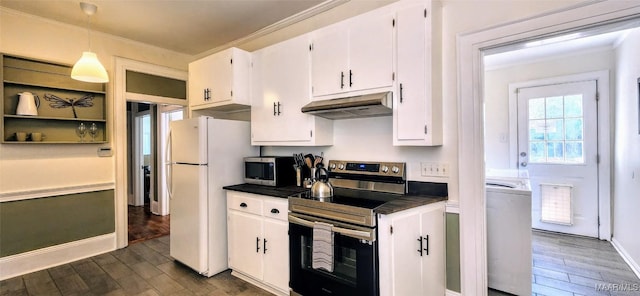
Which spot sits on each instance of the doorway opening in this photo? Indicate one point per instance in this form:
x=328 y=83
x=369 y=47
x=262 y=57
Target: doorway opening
x=148 y=203
x=550 y=117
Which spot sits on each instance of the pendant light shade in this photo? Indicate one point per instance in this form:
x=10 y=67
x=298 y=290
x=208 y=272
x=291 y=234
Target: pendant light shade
x=89 y=69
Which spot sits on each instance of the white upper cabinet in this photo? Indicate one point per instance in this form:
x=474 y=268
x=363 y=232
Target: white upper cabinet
x=281 y=86
x=353 y=55
x=220 y=81
x=417 y=116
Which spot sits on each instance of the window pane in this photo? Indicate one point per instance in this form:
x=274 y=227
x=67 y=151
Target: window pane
x=536 y=152
x=573 y=106
x=555 y=151
x=575 y=153
x=554 y=107
x=574 y=129
x=536 y=108
x=555 y=129
x=536 y=130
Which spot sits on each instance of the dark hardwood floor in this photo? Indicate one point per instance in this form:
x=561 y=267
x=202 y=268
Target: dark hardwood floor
x=143 y=225
x=144 y=268
x=572 y=265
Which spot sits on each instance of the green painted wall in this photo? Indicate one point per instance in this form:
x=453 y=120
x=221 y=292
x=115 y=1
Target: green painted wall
x=32 y=224
x=453 y=252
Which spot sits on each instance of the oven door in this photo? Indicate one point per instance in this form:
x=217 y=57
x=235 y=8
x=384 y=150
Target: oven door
x=355 y=265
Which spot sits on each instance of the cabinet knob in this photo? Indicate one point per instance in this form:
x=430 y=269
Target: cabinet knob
x=243 y=205
x=275 y=211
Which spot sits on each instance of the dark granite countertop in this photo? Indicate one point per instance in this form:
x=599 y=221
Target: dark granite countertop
x=282 y=192
x=406 y=202
x=420 y=193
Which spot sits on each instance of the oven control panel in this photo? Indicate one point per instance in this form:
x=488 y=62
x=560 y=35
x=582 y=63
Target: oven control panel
x=396 y=169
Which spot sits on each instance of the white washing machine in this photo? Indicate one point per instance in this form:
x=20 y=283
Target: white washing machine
x=509 y=259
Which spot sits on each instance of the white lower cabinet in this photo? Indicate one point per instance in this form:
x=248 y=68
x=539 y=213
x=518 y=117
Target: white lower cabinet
x=412 y=251
x=259 y=240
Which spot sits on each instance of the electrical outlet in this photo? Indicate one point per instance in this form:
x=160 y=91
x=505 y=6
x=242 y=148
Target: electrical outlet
x=434 y=169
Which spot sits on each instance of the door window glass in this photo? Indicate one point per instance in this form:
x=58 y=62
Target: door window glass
x=556 y=130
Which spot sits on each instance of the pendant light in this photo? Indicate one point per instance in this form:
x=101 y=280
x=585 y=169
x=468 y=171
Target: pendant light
x=88 y=68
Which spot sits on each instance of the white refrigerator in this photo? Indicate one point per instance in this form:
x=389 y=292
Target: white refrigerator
x=205 y=155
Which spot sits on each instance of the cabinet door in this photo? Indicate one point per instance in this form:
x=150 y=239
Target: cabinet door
x=370 y=52
x=407 y=261
x=433 y=268
x=284 y=89
x=276 y=254
x=199 y=80
x=412 y=67
x=221 y=76
x=264 y=119
x=245 y=243
x=329 y=60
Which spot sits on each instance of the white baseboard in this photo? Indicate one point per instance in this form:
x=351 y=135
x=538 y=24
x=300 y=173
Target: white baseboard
x=627 y=258
x=23 y=263
x=258 y=283
x=452 y=293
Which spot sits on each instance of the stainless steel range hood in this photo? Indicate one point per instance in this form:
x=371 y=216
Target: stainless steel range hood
x=378 y=104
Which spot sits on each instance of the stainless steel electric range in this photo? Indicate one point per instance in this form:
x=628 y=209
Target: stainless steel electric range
x=359 y=188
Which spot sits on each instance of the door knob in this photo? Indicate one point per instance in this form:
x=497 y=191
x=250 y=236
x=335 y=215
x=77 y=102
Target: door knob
x=523 y=164
x=523 y=154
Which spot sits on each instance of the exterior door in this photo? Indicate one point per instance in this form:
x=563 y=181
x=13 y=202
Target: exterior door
x=557 y=144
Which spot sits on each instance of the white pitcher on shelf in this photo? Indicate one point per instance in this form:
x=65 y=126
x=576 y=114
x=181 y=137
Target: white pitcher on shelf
x=27 y=104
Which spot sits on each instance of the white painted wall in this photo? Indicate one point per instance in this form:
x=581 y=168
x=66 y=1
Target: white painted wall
x=33 y=167
x=627 y=149
x=497 y=94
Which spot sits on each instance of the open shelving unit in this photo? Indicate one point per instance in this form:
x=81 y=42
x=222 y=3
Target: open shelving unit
x=57 y=125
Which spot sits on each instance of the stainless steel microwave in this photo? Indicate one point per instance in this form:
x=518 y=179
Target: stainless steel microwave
x=274 y=171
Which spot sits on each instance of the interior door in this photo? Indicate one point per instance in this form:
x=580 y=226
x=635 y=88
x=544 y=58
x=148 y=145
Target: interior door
x=557 y=144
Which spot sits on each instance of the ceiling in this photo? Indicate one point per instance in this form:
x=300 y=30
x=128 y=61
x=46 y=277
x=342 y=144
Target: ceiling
x=186 y=26
x=553 y=47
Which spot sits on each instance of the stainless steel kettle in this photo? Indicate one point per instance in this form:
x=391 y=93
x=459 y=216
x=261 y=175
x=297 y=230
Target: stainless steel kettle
x=321 y=188
x=27 y=104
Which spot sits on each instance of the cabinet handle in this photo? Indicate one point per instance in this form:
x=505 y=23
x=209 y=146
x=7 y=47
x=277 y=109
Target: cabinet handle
x=427 y=248
x=204 y=94
x=341 y=80
x=278 y=108
x=257 y=245
x=350 y=78
x=264 y=246
x=274 y=108
x=275 y=211
x=401 y=97
x=420 y=249
x=243 y=205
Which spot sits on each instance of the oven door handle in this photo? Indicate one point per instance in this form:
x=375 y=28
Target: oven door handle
x=358 y=234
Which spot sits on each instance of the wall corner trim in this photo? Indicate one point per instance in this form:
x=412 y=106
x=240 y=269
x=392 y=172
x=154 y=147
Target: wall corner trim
x=452 y=293
x=16 y=265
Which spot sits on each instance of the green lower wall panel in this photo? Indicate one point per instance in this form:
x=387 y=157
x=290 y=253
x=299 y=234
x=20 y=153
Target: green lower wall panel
x=453 y=252
x=32 y=224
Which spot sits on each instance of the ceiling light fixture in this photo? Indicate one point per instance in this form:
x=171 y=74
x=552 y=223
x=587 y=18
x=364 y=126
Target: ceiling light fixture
x=88 y=68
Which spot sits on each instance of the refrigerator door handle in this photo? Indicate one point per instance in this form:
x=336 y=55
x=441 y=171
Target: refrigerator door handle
x=167 y=180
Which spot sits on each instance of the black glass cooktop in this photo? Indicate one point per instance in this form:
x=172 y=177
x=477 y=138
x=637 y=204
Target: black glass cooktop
x=355 y=198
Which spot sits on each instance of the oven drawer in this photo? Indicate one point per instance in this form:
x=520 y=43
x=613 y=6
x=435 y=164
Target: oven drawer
x=244 y=203
x=276 y=208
